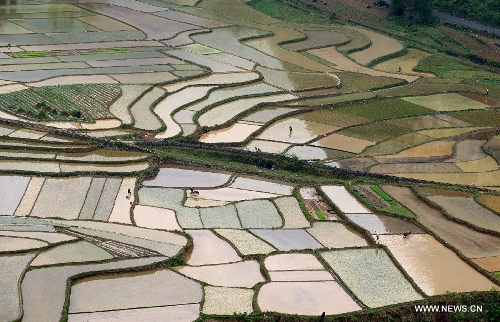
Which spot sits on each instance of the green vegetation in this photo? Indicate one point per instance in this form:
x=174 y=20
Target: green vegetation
x=381 y=193
x=320 y=214
x=414 y=11
x=479 y=118
x=82 y=102
x=113 y=50
x=357 y=82
x=446 y=66
x=394 y=207
x=378 y=131
x=484 y=11
x=33 y=54
x=384 y=109
x=491 y=81
x=291 y=11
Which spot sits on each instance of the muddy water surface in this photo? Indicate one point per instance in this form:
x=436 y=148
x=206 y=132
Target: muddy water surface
x=210 y=249
x=305 y=298
x=435 y=268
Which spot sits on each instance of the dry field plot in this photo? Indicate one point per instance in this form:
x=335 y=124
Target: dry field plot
x=381 y=46
x=446 y=102
x=407 y=62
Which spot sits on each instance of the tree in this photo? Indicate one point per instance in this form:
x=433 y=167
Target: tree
x=416 y=11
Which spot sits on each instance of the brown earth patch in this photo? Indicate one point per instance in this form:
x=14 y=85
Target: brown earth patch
x=471 y=243
x=491 y=264
x=468 y=150
x=480 y=45
x=373 y=197
x=415 y=168
x=430 y=191
x=356 y=164
x=491 y=201
x=481 y=98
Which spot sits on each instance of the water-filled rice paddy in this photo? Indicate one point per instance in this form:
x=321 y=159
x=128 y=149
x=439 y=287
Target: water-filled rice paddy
x=10 y=198
x=213 y=65
x=46 y=286
x=336 y=235
x=227 y=40
x=470 y=242
x=140 y=77
x=258 y=214
x=298 y=81
x=372 y=276
x=224 y=112
x=434 y=268
x=142 y=113
x=293 y=216
x=267 y=146
x=245 y=242
x=236 y=132
x=468 y=210
x=292 y=262
x=214 y=79
x=242 y=274
x=381 y=224
x=188 y=177
x=181 y=313
x=14 y=266
x=155 y=27
x=381 y=46
x=345 y=64
x=51 y=203
x=155 y=218
x=259 y=184
x=302 y=131
x=190 y=19
x=305 y=298
x=210 y=249
x=307 y=152
x=286 y=240
x=220 y=217
x=77 y=252
x=104 y=23
x=16 y=244
x=344 y=200
x=227 y=300
x=220 y=95
x=267 y=114
x=232 y=194
x=316 y=39
x=152 y=288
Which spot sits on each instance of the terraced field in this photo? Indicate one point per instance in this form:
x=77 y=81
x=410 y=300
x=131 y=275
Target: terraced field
x=181 y=160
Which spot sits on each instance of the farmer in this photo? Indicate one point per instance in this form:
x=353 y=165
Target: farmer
x=377 y=238
x=406 y=234
x=399 y=69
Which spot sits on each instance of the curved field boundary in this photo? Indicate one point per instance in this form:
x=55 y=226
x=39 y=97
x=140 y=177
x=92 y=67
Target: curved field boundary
x=214 y=79
x=223 y=113
x=343 y=63
x=144 y=117
x=381 y=46
x=165 y=108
